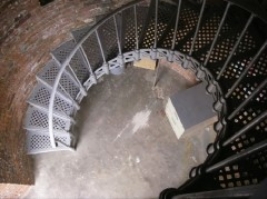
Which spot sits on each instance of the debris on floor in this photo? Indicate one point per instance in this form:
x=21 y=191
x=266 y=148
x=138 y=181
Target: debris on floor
x=145 y=63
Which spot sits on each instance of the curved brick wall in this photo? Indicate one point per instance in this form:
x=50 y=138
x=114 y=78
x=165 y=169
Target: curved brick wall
x=28 y=32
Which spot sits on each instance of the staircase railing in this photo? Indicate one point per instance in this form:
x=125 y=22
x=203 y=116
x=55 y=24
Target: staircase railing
x=223 y=42
x=93 y=30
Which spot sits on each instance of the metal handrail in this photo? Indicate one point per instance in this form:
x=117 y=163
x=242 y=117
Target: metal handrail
x=94 y=29
x=211 y=78
x=67 y=61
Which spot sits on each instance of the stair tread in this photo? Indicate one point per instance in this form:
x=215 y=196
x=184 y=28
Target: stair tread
x=77 y=63
x=36 y=118
x=186 y=28
x=189 y=16
x=109 y=44
x=41 y=95
x=49 y=74
x=63 y=51
x=81 y=32
x=40 y=142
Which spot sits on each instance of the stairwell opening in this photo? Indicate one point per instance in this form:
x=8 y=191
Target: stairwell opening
x=125 y=140
x=228 y=39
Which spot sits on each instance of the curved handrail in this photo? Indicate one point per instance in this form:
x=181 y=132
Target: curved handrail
x=94 y=29
x=251 y=8
x=65 y=64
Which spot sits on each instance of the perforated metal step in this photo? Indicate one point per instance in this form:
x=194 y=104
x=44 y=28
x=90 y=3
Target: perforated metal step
x=41 y=95
x=130 y=33
x=37 y=119
x=66 y=84
x=77 y=62
x=46 y=110
x=165 y=15
x=214 y=38
x=39 y=142
x=81 y=32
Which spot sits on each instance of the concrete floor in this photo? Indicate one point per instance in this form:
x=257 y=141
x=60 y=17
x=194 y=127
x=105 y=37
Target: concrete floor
x=127 y=149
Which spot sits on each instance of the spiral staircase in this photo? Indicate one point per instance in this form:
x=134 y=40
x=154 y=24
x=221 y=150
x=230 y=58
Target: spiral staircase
x=223 y=42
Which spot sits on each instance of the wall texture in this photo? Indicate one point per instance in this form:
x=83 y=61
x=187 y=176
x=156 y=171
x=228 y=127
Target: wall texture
x=186 y=73
x=28 y=32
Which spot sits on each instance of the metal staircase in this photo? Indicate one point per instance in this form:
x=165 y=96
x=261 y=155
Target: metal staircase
x=223 y=41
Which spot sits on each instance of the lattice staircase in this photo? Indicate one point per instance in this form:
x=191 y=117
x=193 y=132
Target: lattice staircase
x=224 y=42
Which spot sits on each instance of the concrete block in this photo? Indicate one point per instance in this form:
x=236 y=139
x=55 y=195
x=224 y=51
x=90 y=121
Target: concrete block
x=190 y=110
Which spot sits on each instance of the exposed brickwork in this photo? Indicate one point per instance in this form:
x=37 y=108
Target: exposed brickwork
x=12 y=191
x=28 y=32
x=187 y=74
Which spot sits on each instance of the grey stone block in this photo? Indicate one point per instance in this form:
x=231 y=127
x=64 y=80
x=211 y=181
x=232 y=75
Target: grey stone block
x=190 y=110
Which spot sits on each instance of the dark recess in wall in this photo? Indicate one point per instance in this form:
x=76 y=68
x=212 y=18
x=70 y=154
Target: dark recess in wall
x=44 y=2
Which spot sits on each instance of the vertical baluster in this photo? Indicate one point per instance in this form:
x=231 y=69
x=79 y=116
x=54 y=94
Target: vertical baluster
x=246 y=128
x=65 y=114
x=244 y=103
x=59 y=142
x=84 y=93
x=102 y=51
x=118 y=41
x=156 y=24
x=176 y=24
x=68 y=98
x=217 y=33
x=74 y=103
x=136 y=28
x=198 y=26
x=243 y=154
x=236 y=46
x=84 y=56
x=117 y=35
x=244 y=73
x=146 y=24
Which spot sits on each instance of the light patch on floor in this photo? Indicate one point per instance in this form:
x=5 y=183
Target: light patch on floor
x=126 y=147
x=140 y=120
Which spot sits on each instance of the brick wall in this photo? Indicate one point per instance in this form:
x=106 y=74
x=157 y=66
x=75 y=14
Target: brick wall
x=13 y=191
x=28 y=32
x=186 y=73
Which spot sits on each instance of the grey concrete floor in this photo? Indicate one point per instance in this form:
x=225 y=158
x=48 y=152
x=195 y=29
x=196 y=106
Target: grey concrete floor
x=127 y=149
